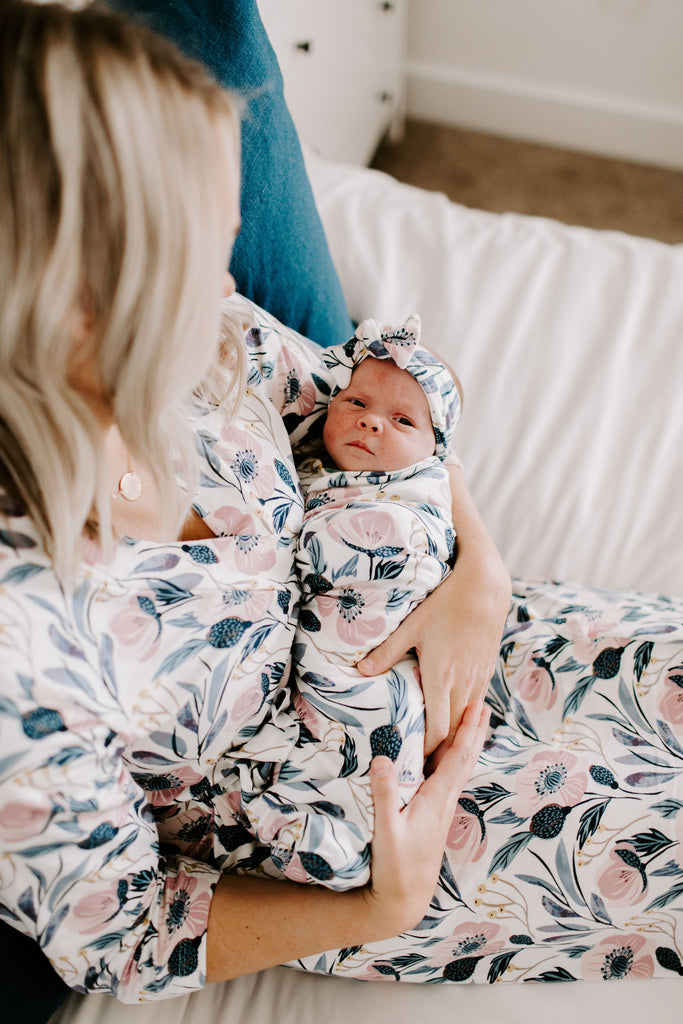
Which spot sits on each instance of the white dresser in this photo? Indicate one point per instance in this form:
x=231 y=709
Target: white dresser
x=343 y=66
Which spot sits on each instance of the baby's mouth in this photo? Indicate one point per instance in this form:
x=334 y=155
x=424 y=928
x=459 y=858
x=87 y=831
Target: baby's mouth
x=359 y=444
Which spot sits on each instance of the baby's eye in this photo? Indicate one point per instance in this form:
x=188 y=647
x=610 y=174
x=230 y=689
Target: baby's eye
x=405 y=422
x=357 y=401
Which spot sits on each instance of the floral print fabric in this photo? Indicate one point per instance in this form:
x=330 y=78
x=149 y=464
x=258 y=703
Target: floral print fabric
x=372 y=546
x=124 y=706
x=565 y=859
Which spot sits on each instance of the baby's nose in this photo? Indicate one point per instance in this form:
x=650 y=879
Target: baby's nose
x=371 y=422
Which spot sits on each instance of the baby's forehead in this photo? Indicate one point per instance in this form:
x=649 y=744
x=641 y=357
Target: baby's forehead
x=371 y=368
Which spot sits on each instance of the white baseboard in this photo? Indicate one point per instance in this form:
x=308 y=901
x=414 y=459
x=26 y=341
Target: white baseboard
x=556 y=117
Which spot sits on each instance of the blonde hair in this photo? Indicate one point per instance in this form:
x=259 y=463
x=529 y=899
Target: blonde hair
x=115 y=153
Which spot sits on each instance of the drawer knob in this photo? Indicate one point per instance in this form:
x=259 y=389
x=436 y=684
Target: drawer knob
x=305 y=46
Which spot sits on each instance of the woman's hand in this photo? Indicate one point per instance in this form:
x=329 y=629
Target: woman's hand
x=456 y=630
x=408 y=846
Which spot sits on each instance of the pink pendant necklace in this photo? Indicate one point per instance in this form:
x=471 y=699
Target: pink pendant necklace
x=130 y=486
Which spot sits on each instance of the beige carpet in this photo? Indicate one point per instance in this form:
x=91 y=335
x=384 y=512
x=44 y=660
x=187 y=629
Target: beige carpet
x=491 y=173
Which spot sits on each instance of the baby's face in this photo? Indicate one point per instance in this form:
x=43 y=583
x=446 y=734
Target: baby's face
x=381 y=421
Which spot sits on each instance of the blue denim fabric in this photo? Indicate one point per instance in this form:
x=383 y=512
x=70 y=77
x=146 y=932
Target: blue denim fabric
x=281 y=258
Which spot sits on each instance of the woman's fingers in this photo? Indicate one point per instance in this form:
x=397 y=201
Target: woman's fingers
x=408 y=844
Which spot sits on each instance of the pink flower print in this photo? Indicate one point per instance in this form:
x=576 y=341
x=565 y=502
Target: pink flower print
x=94 y=910
x=480 y=939
x=244 y=542
x=310 y=717
x=166 y=788
x=623 y=882
x=250 y=604
x=467 y=840
x=592 y=633
x=358 y=616
x=193 y=832
x=246 y=707
x=294 y=384
x=467 y=945
x=184 y=913
x=618 y=957
x=537 y=688
x=670 y=702
x=372 y=531
x=137 y=628
x=549 y=778
x=25 y=820
x=242 y=452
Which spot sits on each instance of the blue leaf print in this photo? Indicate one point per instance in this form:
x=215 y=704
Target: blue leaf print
x=670 y=869
x=348 y=569
x=577 y=695
x=16 y=540
x=643 y=780
x=557 y=909
x=170 y=741
x=280 y=515
x=26 y=904
x=64 y=645
x=499 y=965
x=176 y=658
x=667 y=735
x=509 y=850
x=284 y=474
x=557 y=974
x=668 y=808
x=54 y=924
x=257 y=638
x=159 y=563
x=20 y=573
x=348 y=752
x=389 y=570
x=169 y=592
x=589 y=821
x=396 y=598
x=522 y=720
x=666 y=898
x=599 y=910
x=650 y=843
x=105 y=941
x=322 y=385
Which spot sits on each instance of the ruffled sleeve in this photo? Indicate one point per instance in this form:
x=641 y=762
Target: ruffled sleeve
x=80 y=870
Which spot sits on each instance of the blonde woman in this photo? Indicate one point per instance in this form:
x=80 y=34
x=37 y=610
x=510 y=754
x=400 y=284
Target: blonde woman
x=140 y=560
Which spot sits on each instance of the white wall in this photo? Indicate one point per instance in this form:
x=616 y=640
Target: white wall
x=600 y=75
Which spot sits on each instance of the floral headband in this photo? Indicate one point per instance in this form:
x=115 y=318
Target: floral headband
x=402 y=344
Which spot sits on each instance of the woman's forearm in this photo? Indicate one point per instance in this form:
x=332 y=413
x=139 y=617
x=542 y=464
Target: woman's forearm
x=257 y=923
x=478 y=557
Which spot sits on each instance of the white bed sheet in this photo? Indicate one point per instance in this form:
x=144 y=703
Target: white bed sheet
x=283 y=996
x=569 y=343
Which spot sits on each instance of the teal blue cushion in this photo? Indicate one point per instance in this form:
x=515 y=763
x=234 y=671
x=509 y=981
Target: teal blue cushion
x=281 y=258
